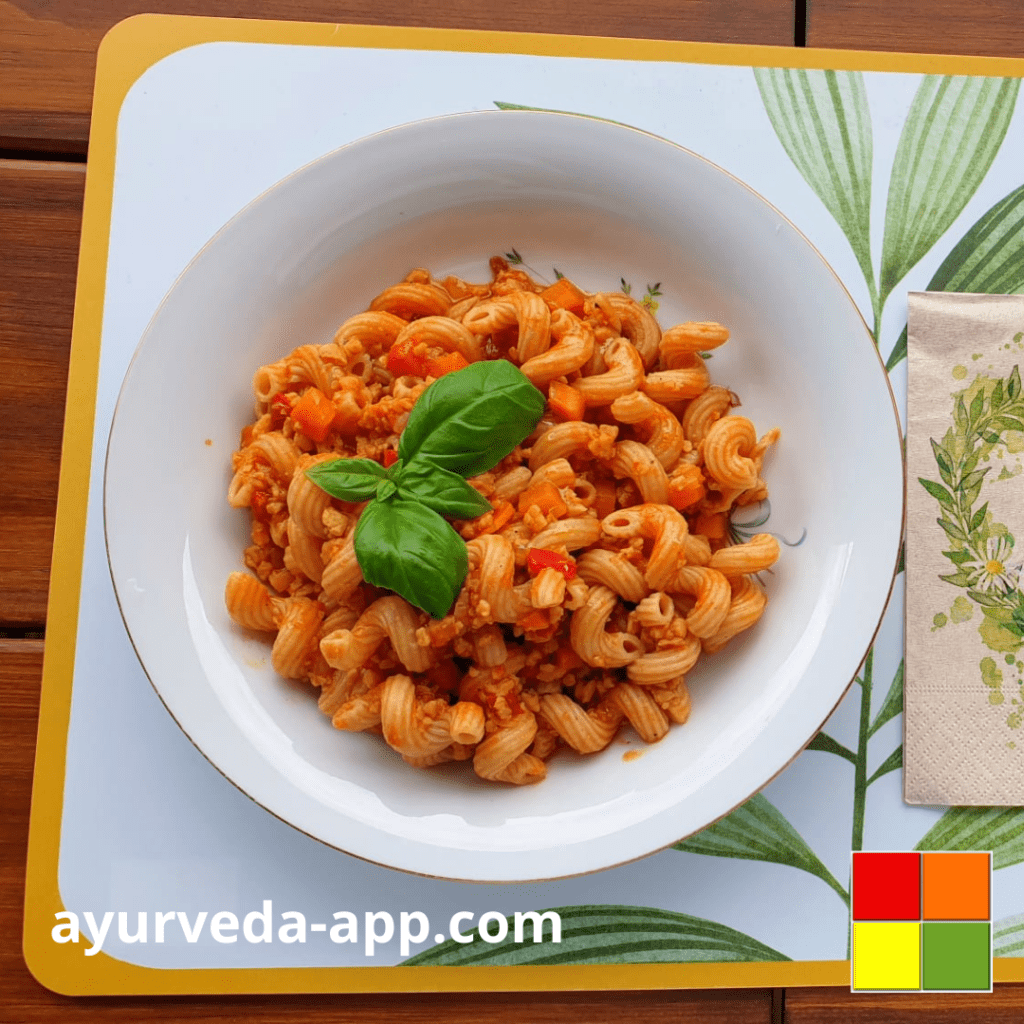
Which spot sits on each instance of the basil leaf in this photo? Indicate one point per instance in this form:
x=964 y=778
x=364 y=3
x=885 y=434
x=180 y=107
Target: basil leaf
x=348 y=479
x=446 y=493
x=469 y=420
x=405 y=547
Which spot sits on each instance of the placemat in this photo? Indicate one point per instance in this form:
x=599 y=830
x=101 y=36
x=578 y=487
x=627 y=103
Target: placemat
x=195 y=117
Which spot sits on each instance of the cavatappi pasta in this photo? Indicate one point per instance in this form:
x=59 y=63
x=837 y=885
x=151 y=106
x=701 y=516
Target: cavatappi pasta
x=625 y=488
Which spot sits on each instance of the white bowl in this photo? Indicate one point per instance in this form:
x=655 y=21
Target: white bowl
x=598 y=201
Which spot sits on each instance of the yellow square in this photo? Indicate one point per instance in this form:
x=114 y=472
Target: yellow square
x=886 y=955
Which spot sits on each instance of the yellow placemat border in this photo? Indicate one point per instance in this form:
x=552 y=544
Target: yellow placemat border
x=125 y=54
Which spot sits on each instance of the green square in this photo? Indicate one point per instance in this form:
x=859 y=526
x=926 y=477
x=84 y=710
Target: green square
x=957 y=956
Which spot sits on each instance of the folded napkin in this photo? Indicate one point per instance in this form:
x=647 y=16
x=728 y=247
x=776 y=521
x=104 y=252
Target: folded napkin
x=963 y=699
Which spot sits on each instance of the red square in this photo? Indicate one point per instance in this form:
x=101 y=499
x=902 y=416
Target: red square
x=886 y=886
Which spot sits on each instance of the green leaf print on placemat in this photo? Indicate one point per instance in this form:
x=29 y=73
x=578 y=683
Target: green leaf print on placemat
x=951 y=135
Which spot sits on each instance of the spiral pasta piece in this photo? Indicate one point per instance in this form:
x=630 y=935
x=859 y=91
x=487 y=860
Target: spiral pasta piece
x=714 y=598
x=638 y=325
x=704 y=410
x=410 y=301
x=305 y=365
x=574 y=345
x=444 y=333
x=639 y=463
x=656 y=609
x=534 y=320
x=660 y=523
x=307 y=502
x=681 y=342
x=589 y=639
x=611 y=570
x=249 y=602
x=665 y=437
x=341 y=574
x=755 y=555
x=727 y=450
x=496 y=567
x=298 y=630
x=388 y=618
x=679 y=384
x=360 y=712
x=659 y=667
x=571 y=534
x=625 y=371
x=585 y=731
x=375 y=332
x=565 y=439
x=747 y=607
x=524 y=770
x=641 y=710
x=302 y=555
x=495 y=755
x=279 y=452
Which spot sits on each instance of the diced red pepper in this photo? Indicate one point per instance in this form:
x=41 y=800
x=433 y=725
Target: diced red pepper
x=280 y=409
x=258 y=504
x=389 y=458
x=403 y=360
x=541 y=558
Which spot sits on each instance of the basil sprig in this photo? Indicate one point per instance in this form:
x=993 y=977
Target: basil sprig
x=464 y=424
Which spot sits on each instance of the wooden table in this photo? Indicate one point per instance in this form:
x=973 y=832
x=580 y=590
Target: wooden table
x=47 y=59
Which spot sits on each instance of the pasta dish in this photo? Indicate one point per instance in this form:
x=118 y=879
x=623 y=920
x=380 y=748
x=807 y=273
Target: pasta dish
x=490 y=521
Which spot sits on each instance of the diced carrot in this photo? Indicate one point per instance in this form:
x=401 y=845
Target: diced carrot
x=604 y=503
x=565 y=401
x=446 y=364
x=563 y=294
x=713 y=525
x=314 y=413
x=502 y=514
x=545 y=496
x=686 y=487
x=536 y=619
x=403 y=360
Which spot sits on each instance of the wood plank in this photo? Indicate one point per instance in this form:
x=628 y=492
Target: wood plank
x=839 y=1006
x=40 y=221
x=992 y=28
x=48 y=47
x=25 y=1001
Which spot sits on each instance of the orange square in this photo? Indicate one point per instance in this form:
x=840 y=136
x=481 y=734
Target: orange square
x=956 y=886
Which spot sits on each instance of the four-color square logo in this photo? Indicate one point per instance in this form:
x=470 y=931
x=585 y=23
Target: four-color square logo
x=922 y=921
